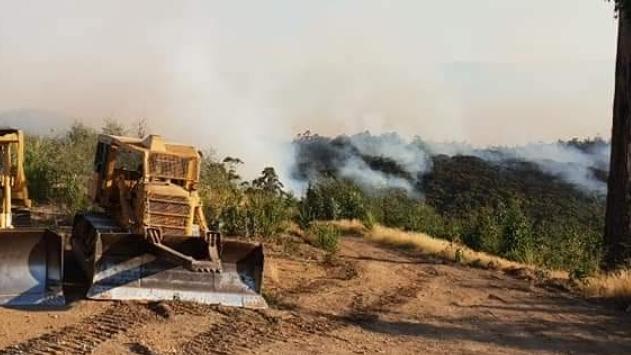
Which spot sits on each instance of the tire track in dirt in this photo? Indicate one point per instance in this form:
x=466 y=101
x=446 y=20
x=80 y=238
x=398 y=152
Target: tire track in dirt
x=85 y=336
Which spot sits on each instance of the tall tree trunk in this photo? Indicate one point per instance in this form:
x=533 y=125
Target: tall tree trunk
x=618 y=218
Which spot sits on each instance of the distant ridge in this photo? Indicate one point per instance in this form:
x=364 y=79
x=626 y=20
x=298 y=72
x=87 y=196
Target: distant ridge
x=35 y=121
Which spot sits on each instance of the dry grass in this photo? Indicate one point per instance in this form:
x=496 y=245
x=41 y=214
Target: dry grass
x=428 y=245
x=615 y=286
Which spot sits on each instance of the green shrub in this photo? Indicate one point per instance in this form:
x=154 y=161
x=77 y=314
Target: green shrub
x=518 y=238
x=331 y=199
x=219 y=190
x=565 y=245
x=256 y=208
x=325 y=237
x=268 y=213
x=369 y=220
x=485 y=231
x=398 y=210
x=58 y=168
x=503 y=224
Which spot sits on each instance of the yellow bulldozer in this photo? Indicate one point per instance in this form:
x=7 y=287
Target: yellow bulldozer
x=150 y=240
x=31 y=259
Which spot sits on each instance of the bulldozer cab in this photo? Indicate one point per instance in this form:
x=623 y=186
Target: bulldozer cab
x=114 y=160
x=147 y=183
x=150 y=158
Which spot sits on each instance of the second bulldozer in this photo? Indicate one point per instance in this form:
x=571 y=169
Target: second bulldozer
x=150 y=241
x=31 y=259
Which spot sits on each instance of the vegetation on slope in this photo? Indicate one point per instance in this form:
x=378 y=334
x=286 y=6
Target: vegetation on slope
x=614 y=286
x=506 y=207
x=513 y=210
x=58 y=169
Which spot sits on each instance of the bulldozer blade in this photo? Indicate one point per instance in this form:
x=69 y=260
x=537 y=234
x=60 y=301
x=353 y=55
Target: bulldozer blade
x=125 y=269
x=31 y=267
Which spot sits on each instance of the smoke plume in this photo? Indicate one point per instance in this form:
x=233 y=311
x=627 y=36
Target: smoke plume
x=244 y=77
x=386 y=161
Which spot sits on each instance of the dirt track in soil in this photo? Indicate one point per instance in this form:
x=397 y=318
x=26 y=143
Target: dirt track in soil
x=369 y=300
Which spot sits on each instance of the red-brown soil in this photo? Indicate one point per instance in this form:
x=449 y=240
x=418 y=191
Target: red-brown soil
x=367 y=300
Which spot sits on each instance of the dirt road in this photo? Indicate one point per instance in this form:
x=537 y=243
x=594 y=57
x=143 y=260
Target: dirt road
x=369 y=300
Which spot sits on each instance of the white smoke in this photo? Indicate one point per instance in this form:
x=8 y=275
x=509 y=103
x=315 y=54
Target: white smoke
x=566 y=161
x=243 y=77
x=359 y=172
x=574 y=164
x=408 y=155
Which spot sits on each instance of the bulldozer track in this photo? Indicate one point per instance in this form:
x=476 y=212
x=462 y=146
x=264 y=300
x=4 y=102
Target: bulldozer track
x=85 y=336
x=242 y=331
x=194 y=309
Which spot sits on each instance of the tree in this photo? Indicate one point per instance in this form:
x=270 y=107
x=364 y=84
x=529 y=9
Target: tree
x=618 y=217
x=142 y=128
x=621 y=4
x=113 y=127
x=231 y=165
x=79 y=133
x=269 y=181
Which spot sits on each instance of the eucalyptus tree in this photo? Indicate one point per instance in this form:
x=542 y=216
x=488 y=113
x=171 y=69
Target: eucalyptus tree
x=617 y=251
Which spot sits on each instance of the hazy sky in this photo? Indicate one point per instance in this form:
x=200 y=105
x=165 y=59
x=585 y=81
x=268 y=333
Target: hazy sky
x=243 y=76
